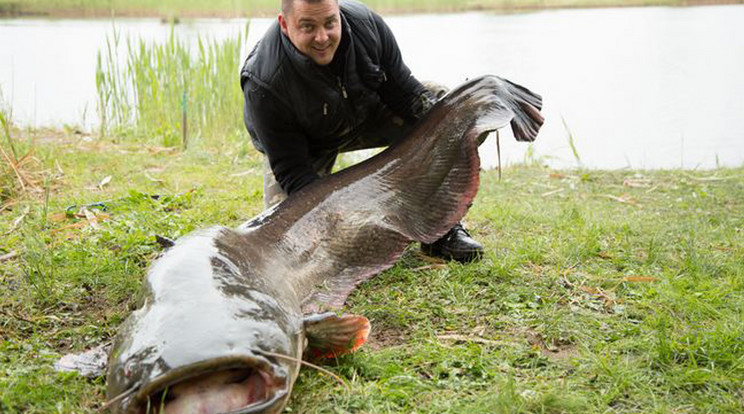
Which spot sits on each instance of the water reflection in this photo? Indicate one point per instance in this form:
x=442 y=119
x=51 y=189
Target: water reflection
x=637 y=87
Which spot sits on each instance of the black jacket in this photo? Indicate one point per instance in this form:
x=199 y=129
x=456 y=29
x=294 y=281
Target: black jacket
x=295 y=108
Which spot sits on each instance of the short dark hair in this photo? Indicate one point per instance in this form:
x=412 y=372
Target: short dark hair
x=287 y=4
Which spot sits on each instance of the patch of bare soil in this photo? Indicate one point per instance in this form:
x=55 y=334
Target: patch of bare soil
x=385 y=337
x=553 y=349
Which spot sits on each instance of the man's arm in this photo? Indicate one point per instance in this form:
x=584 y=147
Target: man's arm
x=400 y=91
x=271 y=124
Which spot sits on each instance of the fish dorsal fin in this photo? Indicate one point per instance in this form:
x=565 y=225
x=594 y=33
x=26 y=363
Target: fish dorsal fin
x=330 y=335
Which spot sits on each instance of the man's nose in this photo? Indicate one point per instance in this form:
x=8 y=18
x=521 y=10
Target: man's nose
x=321 y=36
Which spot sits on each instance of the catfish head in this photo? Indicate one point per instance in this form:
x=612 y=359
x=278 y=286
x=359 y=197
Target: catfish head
x=218 y=334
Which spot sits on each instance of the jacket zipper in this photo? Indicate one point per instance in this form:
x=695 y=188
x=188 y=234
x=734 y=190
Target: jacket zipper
x=343 y=93
x=342 y=87
x=348 y=114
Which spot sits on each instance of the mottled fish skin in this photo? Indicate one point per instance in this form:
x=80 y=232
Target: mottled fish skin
x=341 y=230
x=223 y=298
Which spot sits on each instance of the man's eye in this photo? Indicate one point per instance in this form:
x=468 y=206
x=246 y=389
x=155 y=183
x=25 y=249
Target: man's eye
x=330 y=25
x=306 y=27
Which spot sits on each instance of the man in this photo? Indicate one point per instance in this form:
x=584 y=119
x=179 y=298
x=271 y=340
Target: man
x=328 y=78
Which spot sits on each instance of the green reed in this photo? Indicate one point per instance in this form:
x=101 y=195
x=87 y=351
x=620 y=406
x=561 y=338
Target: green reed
x=8 y=152
x=5 y=124
x=169 y=93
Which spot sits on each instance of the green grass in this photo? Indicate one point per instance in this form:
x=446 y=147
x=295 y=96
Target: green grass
x=622 y=292
x=191 y=8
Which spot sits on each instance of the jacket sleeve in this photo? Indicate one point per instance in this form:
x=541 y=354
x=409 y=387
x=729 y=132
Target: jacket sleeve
x=400 y=91
x=277 y=134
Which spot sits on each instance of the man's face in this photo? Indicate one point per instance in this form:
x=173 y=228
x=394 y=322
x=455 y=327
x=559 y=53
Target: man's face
x=314 y=29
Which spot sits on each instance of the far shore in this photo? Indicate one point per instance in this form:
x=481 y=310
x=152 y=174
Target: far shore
x=172 y=11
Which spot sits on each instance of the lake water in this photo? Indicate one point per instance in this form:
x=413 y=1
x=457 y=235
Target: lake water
x=637 y=87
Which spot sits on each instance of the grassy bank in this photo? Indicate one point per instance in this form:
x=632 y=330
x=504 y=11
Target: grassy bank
x=602 y=292
x=241 y=8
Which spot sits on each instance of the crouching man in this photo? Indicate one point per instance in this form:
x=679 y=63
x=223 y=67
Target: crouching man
x=327 y=78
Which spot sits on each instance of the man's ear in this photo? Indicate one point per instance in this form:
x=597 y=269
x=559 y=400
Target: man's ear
x=283 y=24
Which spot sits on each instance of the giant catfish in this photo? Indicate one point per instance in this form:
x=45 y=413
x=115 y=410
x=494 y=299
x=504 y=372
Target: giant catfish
x=224 y=320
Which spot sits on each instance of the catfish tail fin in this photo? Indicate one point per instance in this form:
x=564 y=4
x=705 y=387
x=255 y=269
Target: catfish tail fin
x=440 y=175
x=528 y=119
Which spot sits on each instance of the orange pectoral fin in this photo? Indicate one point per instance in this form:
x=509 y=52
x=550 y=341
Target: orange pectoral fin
x=330 y=336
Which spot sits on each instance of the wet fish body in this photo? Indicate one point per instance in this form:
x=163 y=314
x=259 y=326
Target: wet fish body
x=223 y=323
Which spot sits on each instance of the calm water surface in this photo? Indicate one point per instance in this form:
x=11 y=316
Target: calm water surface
x=637 y=87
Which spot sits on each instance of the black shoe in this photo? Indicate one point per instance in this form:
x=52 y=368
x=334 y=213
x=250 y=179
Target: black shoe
x=455 y=245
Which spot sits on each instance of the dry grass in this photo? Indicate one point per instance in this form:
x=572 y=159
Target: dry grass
x=22 y=173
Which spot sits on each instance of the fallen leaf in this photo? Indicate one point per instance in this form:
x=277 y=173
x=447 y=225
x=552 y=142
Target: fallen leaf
x=103 y=182
x=88 y=218
x=589 y=290
x=91 y=218
x=58 y=216
x=608 y=298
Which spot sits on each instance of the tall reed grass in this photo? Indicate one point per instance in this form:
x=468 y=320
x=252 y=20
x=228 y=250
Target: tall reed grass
x=172 y=93
x=8 y=152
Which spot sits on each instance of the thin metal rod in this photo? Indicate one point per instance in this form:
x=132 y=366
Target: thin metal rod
x=498 y=152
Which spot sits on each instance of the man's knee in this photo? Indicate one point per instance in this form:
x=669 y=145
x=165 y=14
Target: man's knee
x=272 y=191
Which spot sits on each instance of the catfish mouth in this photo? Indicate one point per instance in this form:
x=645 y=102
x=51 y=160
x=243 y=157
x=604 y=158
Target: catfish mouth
x=242 y=389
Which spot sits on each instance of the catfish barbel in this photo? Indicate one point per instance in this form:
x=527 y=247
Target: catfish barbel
x=224 y=319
